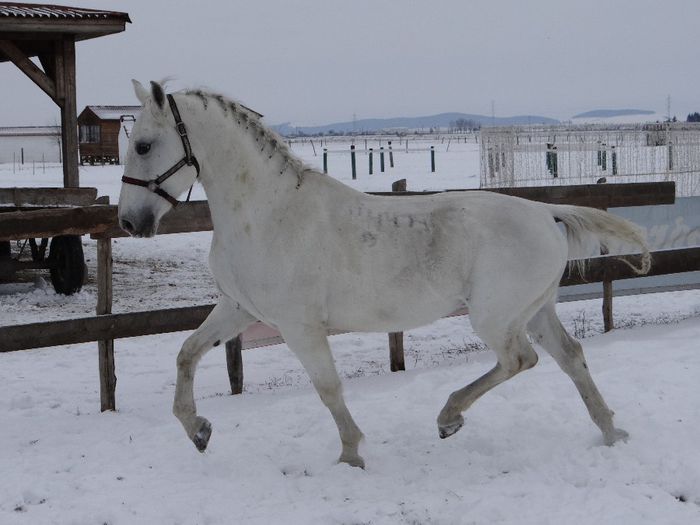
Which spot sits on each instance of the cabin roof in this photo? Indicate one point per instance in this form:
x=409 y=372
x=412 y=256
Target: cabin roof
x=114 y=112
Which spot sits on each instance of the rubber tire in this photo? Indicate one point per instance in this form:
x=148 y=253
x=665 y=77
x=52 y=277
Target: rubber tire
x=68 y=271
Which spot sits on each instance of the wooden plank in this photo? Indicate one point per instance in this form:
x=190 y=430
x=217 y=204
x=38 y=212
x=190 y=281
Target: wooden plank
x=115 y=326
x=28 y=67
x=598 y=195
x=593 y=195
x=47 y=197
x=101 y=221
x=52 y=222
x=83 y=330
x=612 y=268
x=187 y=217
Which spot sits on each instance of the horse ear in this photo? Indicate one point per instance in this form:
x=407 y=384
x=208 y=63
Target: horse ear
x=158 y=94
x=141 y=92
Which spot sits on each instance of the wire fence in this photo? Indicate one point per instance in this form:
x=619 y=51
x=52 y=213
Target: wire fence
x=561 y=155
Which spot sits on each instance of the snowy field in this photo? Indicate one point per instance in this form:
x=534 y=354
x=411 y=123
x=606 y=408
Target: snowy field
x=528 y=453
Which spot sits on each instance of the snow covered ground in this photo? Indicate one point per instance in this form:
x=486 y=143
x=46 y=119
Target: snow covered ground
x=528 y=454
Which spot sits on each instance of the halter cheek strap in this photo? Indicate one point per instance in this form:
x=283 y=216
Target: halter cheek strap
x=188 y=160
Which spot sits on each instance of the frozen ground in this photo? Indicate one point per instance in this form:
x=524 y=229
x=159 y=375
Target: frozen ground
x=527 y=455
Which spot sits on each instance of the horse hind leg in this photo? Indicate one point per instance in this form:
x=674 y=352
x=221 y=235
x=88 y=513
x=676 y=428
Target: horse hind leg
x=547 y=330
x=223 y=323
x=515 y=354
x=311 y=347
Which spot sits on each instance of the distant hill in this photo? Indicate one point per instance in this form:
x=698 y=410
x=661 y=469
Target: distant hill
x=442 y=120
x=607 y=113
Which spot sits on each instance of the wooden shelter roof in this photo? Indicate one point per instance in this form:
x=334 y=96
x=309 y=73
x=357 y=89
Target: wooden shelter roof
x=34 y=26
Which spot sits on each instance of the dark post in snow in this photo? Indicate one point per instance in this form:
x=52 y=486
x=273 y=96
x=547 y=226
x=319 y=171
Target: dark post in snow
x=396 y=357
x=234 y=364
x=325 y=160
x=371 y=167
x=352 y=162
x=381 y=159
x=607 y=292
x=432 y=159
x=105 y=348
x=391 y=156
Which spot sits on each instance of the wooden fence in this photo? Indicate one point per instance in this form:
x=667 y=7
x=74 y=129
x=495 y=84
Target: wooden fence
x=101 y=223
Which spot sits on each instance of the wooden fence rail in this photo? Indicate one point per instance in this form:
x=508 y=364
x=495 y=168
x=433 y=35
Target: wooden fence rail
x=101 y=221
x=133 y=324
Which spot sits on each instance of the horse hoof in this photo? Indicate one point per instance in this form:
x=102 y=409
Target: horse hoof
x=450 y=428
x=201 y=438
x=353 y=461
x=616 y=435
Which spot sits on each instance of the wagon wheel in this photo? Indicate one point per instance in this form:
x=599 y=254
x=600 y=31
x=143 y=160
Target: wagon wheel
x=67 y=264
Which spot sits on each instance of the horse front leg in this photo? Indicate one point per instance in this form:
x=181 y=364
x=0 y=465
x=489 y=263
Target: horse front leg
x=310 y=345
x=223 y=323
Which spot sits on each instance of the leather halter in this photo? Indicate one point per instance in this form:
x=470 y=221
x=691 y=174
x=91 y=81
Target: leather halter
x=188 y=160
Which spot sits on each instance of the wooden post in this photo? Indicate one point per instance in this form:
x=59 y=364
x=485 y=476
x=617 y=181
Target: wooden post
x=432 y=159
x=608 y=306
x=69 y=116
x=371 y=167
x=396 y=356
x=607 y=289
x=381 y=159
x=352 y=162
x=234 y=364
x=391 y=156
x=108 y=379
x=325 y=160
x=607 y=298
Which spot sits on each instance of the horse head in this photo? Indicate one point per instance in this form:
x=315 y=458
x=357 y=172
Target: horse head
x=156 y=172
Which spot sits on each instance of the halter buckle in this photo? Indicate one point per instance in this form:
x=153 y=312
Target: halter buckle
x=152 y=185
x=181 y=129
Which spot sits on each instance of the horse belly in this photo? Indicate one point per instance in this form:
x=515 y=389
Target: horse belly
x=392 y=307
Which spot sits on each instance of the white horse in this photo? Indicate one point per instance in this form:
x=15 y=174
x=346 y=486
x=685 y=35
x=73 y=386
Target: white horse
x=305 y=254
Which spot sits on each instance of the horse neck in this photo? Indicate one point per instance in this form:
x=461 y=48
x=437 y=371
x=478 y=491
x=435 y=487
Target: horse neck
x=242 y=167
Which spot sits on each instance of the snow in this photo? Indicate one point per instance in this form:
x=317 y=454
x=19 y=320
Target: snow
x=528 y=454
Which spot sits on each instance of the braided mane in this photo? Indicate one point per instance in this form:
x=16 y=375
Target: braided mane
x=250 y=120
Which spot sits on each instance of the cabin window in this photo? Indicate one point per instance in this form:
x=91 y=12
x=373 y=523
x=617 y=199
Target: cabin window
x=89 y=134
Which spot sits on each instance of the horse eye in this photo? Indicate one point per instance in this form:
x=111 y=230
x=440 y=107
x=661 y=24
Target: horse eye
x=142 y=148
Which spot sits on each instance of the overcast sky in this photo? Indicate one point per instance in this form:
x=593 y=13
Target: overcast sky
x=323 y=61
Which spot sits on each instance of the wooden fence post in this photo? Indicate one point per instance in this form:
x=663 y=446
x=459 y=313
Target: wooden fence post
x=352 y=162
x=325 y=160
x=234 y=364
x=432 y=159
x=391 y=156
x=396 y=356
x=381 y=159
x=371 y=150
x=608 y=323
x=108 y=379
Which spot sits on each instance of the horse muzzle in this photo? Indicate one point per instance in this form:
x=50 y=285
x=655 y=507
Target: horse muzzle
x=143 y=225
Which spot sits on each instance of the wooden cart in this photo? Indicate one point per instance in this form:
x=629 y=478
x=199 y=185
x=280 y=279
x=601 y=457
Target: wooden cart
x=64 y=260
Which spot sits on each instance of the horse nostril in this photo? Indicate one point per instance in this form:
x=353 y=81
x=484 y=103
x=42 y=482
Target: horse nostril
x=126 y=225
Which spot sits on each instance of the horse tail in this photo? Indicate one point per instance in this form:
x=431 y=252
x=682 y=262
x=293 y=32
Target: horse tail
x=581 y=222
